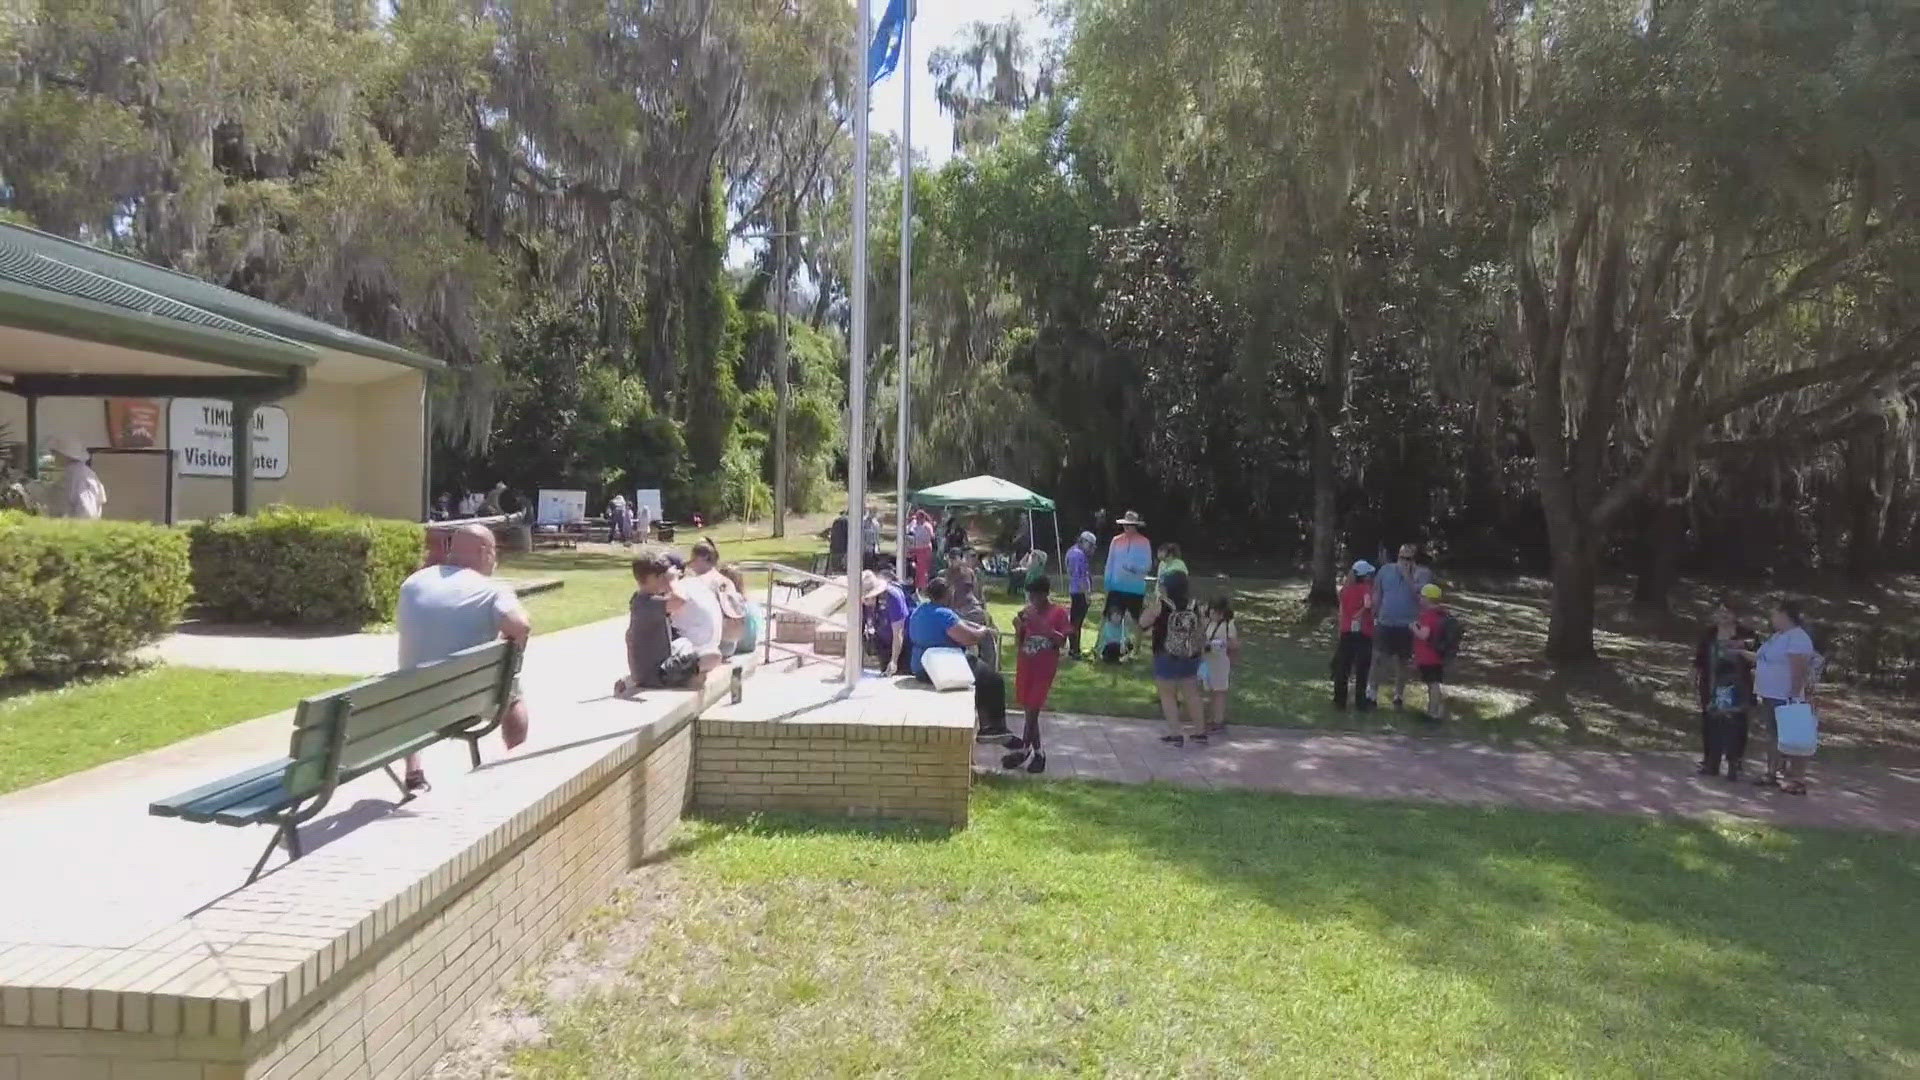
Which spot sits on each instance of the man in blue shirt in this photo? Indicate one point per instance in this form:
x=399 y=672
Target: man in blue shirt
x=1396 y=604
x=934 y=625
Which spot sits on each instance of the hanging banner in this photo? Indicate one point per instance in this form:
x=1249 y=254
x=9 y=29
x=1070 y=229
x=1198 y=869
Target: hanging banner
x=200 y=431
x=133 y=423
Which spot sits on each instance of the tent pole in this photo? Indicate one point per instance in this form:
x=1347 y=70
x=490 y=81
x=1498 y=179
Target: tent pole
x=1059 y=560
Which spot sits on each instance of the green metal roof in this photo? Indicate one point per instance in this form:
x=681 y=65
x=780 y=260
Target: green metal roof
x=208 y=300
x=45 y=294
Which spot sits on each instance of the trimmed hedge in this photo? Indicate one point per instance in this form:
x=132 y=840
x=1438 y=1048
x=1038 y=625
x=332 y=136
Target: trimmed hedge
x=310 y=567
x=81 y=594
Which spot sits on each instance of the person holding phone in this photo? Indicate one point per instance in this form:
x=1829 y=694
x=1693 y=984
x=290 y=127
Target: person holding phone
x=1723 y=681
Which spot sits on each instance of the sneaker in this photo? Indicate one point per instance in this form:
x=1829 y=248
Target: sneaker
x=1705 y=769
x=1015 y=743
x=1399 y=705
x=417 y=782
x=1015 y=759
x=1200 y=738
x=989 y=734
x=1037 y=763
x=1174 y=740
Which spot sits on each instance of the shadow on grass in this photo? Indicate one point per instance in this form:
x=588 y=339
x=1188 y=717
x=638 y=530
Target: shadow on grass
x=1588 y=929
x=1639 y=695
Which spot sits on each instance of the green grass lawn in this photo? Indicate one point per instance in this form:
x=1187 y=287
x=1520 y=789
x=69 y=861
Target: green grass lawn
x=45 y=733
x=1099 y=930
x=1280 y=679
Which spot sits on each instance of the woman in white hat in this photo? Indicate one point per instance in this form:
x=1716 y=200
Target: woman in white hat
x=81 y=494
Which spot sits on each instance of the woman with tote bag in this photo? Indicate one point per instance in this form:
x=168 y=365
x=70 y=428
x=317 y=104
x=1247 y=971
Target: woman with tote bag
x=1784 y=669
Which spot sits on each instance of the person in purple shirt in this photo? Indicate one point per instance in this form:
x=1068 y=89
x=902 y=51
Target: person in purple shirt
x=1079 y=587
x=886 y=622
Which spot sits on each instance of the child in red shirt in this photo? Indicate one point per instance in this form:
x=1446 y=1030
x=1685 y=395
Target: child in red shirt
x=1427 y=655
x=1353 y=639
x=1041 y=628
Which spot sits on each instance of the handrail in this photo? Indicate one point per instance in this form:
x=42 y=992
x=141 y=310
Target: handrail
x=773 y=570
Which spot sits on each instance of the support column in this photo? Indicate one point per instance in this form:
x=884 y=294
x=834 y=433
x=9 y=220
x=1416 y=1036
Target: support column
x=33 y=437
x=242 y=417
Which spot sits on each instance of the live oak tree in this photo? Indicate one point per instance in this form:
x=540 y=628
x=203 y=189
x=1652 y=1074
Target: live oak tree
x=1707 y=216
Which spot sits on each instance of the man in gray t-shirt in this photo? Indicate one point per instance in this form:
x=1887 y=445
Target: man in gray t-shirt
x=1396 y=604
x=457 y=605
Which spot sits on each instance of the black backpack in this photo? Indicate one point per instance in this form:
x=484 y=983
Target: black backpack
x=1452 y=630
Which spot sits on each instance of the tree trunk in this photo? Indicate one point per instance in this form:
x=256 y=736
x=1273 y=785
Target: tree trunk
x=1326 y=479
x=1576 y=573
x=1869 y=491
x=1576 y=568
x=1665 y=533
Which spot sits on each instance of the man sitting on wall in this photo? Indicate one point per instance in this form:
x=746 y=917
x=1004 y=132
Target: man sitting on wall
x=457 y=605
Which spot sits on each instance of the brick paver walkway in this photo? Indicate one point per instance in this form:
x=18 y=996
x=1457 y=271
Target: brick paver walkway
x=1436 y=770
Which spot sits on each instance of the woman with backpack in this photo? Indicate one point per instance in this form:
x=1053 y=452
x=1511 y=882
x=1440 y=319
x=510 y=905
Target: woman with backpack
x=1179 y=643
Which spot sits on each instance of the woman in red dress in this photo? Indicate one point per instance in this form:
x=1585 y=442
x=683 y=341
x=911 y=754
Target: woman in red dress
x=1041 y=628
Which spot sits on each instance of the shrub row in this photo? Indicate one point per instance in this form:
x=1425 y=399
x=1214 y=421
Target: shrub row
x=80 y=594
x=308 y=567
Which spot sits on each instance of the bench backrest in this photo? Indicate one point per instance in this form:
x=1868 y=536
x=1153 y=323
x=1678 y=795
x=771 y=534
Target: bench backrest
x=340 y=735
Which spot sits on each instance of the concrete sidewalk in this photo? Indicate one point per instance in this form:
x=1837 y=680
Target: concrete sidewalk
x=104 y=874
x=1405 y=768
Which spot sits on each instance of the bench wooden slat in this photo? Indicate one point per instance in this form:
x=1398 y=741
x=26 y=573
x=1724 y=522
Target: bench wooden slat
x=384 y=688
x=394 y=740
x=258 y=806
x=175 y=805
x=366 y=724
x=216 y=807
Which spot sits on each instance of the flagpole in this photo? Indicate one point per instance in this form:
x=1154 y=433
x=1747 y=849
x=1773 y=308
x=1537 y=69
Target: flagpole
x=857 y=362
x=906 y=285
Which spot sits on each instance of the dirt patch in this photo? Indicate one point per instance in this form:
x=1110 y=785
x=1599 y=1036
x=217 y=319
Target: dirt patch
x=597 y=957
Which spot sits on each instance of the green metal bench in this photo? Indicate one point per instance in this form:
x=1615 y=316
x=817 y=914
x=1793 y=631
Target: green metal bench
x=341 y=736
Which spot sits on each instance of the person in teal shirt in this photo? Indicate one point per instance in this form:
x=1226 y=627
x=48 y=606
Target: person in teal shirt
x=1129 y=562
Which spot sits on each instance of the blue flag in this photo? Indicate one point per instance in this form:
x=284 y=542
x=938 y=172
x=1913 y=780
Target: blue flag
x=884 y=54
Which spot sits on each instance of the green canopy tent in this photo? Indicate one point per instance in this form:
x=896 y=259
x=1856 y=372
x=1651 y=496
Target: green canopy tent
x=993 y=493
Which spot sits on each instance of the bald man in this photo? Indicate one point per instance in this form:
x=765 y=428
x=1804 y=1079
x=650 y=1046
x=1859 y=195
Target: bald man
x=457 y=605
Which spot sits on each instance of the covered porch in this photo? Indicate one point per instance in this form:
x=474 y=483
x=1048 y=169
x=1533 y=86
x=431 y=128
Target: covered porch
x=198 y=400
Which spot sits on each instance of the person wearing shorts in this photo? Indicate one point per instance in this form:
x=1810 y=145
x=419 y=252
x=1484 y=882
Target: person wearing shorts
x=1216 y=667
x=1428 y=660
x=1129 y=563
x=1396 y=606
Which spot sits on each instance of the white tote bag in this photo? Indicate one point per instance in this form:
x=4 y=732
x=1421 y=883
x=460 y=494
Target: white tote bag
x=947 y=669
x=1796 y=730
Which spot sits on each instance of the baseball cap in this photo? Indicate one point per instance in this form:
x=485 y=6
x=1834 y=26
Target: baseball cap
x=1363 y=568
x=1431 y=592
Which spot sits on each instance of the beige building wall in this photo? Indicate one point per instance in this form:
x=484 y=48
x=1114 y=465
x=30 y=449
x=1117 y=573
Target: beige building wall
x=359 y=446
